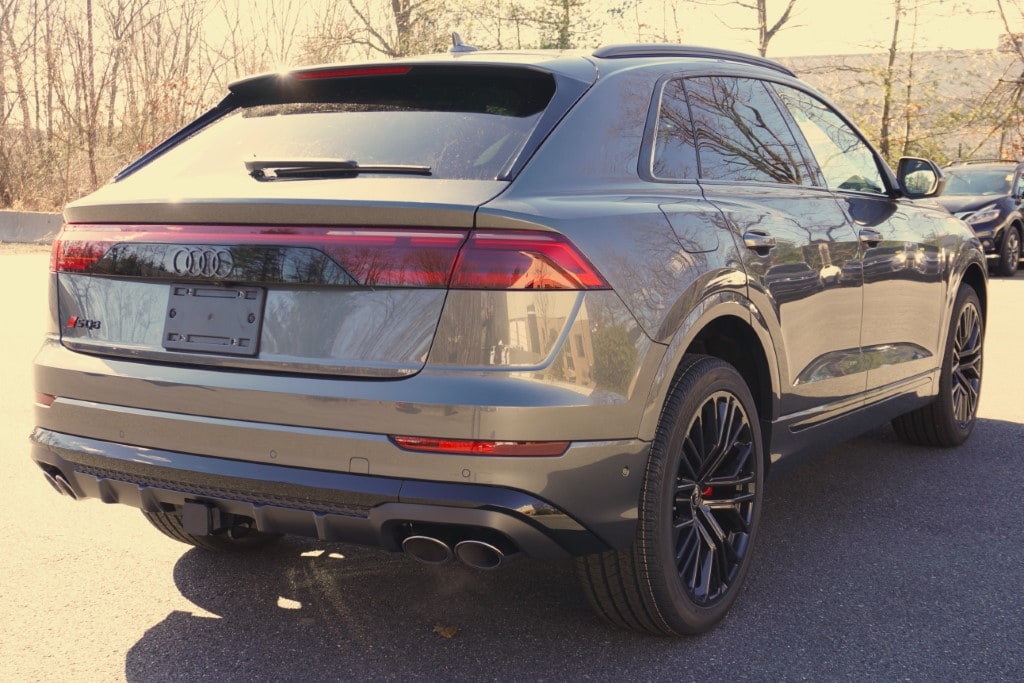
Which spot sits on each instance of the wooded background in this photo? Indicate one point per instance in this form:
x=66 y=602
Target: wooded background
x=88 y=85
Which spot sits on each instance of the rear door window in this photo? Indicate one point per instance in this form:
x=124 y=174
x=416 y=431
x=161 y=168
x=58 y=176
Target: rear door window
x=740 y=133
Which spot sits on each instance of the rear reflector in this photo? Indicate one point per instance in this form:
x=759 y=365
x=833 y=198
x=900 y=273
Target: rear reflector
x=422 y=444
x=45 y=399
x=374 y=257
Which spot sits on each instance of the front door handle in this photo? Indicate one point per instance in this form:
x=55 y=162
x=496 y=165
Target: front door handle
x=870 y=237
x=758 y=241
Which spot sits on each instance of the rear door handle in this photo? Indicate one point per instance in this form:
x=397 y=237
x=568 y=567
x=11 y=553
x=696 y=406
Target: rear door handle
x=870 y=237
x=758 y=241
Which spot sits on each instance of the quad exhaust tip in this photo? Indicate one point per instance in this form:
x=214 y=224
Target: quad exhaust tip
x=472 y=553
x=427 y=549
x=479 y=555
x=60 y=484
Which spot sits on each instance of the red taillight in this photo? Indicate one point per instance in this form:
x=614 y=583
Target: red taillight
x=352 y=72
x=517 y=259
x=422 y=444
x=79 y=247
x=45 y=399
x=395 y=258
x=76 y=256
x=374 y=257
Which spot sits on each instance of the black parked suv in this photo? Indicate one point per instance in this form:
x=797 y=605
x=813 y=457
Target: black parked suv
x=487 y=305
x=988 y=194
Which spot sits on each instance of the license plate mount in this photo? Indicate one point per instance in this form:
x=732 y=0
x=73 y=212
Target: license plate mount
x=214 y=319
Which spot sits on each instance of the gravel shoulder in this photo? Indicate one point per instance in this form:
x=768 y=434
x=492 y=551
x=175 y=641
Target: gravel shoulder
x=23 y=248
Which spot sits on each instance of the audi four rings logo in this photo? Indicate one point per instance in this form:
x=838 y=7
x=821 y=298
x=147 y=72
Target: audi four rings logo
x=203 y=262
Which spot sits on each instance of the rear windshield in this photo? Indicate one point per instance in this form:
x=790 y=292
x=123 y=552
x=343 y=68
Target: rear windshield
x=462 y=127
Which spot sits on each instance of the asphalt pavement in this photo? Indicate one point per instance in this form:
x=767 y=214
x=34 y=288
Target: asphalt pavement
x=876 y=562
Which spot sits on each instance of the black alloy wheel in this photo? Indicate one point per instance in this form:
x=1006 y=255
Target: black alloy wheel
x=713 y=506
x=965 y=373
x=950 y=418
x=698 y=515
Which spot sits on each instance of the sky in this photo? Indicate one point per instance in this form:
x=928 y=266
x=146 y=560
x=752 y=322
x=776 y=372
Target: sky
x=842 y=27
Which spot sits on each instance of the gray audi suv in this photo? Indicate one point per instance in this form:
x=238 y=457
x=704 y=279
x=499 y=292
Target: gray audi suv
x=486 y=305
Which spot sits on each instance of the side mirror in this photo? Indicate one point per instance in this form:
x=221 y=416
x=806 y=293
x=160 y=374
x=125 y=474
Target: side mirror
x=919 y=178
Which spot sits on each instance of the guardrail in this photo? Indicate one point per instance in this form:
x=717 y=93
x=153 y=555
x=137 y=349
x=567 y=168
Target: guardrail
x=29 y=226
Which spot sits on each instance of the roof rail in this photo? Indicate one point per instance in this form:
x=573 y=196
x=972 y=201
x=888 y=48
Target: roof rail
x=664 y=50
x=965 y=162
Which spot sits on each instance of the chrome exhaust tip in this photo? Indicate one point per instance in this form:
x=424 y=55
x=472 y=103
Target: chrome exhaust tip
x=427 y=549
x=60 y=484
x=479 y=555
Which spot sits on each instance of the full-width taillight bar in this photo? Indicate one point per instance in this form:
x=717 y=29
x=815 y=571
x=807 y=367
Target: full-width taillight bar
x=374 y=257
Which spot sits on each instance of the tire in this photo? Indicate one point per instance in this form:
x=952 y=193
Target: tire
x=240 y=538
x=698 y=513
x=1009 y=253
x=949 y=419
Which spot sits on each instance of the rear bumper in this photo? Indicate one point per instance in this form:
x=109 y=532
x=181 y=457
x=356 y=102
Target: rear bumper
x=336 y=506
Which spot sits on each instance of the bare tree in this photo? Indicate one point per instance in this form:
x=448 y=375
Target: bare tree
x=397 y=28
x=1010 y=89
x=562 y=23
x=494 y=24
x=765 y=27
x=330 y=24
x=888 y=80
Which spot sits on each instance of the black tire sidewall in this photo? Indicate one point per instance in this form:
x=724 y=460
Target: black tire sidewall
x=958 y=434
x=701 y=380
x=1007 y=264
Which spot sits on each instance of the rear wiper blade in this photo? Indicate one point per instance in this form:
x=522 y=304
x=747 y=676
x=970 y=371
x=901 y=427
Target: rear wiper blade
x=325 y=168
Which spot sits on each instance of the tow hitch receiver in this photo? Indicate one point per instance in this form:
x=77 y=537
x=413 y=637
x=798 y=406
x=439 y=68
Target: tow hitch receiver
x=200 y=519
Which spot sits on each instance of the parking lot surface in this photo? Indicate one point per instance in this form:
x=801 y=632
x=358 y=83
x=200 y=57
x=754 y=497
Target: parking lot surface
x=876 y=561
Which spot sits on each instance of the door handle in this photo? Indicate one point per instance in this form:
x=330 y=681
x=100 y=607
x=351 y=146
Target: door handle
x=870 y=237
x=758 y=241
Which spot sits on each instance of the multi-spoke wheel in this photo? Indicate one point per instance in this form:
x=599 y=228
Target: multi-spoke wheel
x=698 y=510
x=713 y=506
x=1009 y=254
x=949 y=419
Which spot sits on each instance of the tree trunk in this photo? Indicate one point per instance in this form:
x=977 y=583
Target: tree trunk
x=884 y=142
x=764 y=33
x=402 y=10
x=91 y=97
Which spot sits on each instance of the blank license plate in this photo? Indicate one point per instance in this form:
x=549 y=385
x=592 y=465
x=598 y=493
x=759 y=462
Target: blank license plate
x=214 y=319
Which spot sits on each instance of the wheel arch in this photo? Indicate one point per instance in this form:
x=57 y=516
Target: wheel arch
x=732 y=331
x=974 y=275
x=1014 y=224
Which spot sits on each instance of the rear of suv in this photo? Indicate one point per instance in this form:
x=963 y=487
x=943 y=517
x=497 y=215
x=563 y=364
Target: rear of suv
x=989 y=194
x=492 y=305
